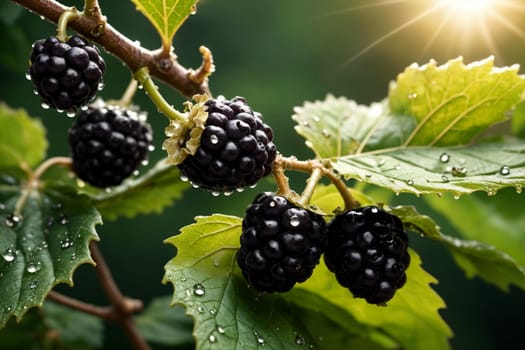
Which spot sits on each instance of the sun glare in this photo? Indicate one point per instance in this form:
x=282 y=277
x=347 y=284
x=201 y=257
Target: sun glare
x=469 y=6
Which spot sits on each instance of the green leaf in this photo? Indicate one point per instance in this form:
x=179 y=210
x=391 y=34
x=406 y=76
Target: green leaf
x=22 y=138
x=228 y=313
x=459 y=170
x=164 y=325
x=76 y=330
x=166 y=15
x=150 y=193
x=475 y=258
x=43 y=245
x=503 y=223
x=454 y=102
x=329 y=200
x=411 y=317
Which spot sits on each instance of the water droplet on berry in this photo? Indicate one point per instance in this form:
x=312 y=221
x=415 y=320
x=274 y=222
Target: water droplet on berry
x=71 y=113
x=194 y=185
x=35 y=92
x=374 y=210
x=84 y=108
x=444 y=179
x=444 y=158
x=214 y=139
x=228 y=193
x=272 y=204
x=299 y=340
x=151 y=148
x=135 y=172
x=294 y=221
x=504 y=170
x=140 y=87
x=9 y=255
x=28 y=76
x=101 y=86
x=34 y=267
x=239 y=189
x=199 y=290
x=44 y=105
x=215 y=193
x=220 y=330
x=410 y=182
x=212 y=338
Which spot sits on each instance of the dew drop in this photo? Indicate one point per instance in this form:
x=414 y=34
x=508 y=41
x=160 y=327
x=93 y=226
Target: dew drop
x=200 y=310
x=325 y=133
x=305 y=123
x=33 y=285
x=9 y=255
x=33 y=267
x=199 y=290
x=73 y=257
x=504 y=170
x=151 y=148
x=212 y=338
x=140 y=87
x=12 y=220
x=459 y=171
x=215 y=193
x=35 y=92
x=28 y=76
x=193 y=9
x=214 y=139
x=381 y=163
x=374 y=210
x=259 y=338
x=145 y=162
x=299 y=340
x=368 y=175
x=63 y=219
x=184 y=178
x=410 y=182
x=272 y=204
x=397 y=167
x=220 y=330
x=101 y=86
x=183 y=279
x=42 y=18
x=71 y=113
x=294 y=221
x=213 y=311
x=491 y=192
x=66 y=243
x=194 y=185
x=457 y=196
x=84 y=108
x=444 y=179
x=519 y=188
x=135 y=172
x=228 y=193
x=444 y=158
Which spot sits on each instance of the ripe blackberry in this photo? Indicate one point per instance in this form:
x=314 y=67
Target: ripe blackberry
x=280 y=243
x=235 y=149
x=366 y=248
x=108 y=143
x=66 y=75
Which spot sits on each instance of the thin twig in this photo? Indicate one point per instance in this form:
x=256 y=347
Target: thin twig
x=126 y=50
x=104 y=312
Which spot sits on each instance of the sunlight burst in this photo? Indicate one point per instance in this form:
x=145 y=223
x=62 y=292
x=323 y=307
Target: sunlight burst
x=469 y=6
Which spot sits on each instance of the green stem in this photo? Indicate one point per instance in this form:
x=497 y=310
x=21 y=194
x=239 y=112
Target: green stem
x=311 y=183
x=144 y=79
x=66 y=17
x=350 y=202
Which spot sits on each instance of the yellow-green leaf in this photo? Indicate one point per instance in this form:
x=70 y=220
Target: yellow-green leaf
x=454 y=102
x=166 y=15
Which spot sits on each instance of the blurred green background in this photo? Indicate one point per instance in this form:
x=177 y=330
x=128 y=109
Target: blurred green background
x=278 y=54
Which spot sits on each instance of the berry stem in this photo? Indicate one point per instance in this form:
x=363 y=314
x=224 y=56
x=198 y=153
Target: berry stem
x=207 y=67
x=311 y=183
x=33 y=181
x=144 y=79
x=350 y=202
x=67 y=16
x=281 y=179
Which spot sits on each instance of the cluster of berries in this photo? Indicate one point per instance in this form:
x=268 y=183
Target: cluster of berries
x=281 y=243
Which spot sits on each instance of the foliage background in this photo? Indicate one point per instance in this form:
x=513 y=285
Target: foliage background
x=277 y=54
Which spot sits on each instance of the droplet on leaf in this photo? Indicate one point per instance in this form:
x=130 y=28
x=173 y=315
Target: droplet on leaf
x=459 y=171
x=299 y=340
x=505 y=170
x=199 y=290
x=444 y=158
x=9 y=255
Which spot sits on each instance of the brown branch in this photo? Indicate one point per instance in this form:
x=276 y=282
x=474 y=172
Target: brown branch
x=123 y=306
x=104 y=312
x=162 y=67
